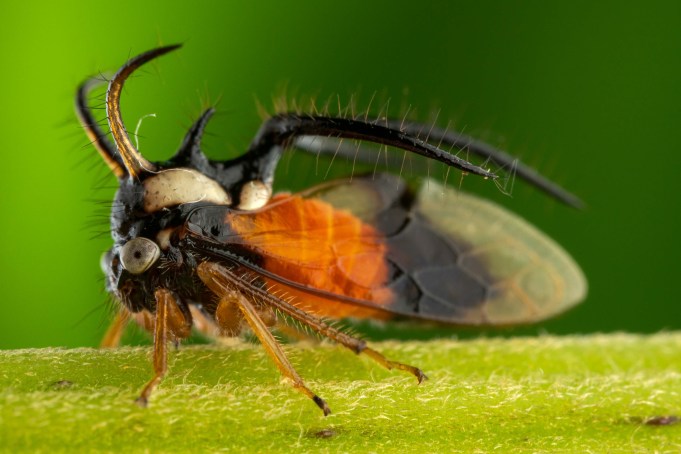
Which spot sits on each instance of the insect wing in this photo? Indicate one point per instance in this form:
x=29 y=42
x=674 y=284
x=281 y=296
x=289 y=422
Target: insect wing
x=526 y=275
x=461 y=259
x=370 y=248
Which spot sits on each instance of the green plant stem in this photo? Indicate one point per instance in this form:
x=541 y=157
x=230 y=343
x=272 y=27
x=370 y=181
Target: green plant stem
x=581 y=394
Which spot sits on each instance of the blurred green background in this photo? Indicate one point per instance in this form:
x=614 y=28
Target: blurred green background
x=587 y=92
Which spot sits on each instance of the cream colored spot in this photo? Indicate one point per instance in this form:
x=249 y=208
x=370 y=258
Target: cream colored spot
x=254 y=194
x=177 y=186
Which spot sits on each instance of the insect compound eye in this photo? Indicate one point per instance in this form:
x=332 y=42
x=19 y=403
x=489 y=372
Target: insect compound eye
x=138 y=254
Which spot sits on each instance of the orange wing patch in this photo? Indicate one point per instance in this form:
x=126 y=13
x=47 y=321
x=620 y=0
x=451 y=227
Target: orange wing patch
x=309 y=242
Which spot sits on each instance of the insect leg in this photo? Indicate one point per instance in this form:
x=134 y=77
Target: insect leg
x=112 y=337
x=356 y=345
x=163 y=300
x=204 y=323
x=210 y=275
x=170 y=324
x=295 y=333
x=216 y=276
x=228 y=317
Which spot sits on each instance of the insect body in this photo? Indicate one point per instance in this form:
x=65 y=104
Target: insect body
x=206 y=244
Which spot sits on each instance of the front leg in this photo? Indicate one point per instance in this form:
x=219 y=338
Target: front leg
x=171 y=323
x=112 y=337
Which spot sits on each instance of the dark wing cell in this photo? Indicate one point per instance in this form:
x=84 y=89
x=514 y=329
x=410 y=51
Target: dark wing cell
x=527 y=275
x=432 y=277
